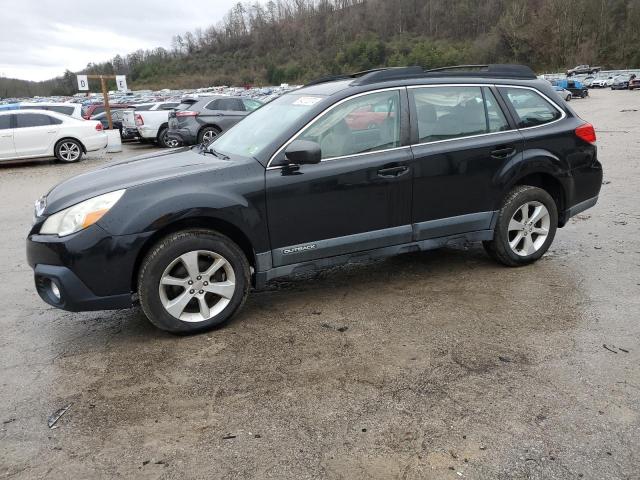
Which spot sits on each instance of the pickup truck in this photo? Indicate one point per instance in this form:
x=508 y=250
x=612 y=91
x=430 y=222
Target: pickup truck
x=150 y=122
x=582 y=69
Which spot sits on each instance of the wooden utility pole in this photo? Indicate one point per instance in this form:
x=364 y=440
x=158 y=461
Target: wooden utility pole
x=105 y=95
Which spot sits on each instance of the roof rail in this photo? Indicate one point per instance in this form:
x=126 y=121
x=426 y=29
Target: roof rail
x=499 y=70
x=397 y=72
x=400 y=73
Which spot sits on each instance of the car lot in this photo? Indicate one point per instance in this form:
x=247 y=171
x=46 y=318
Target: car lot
x=432 y=365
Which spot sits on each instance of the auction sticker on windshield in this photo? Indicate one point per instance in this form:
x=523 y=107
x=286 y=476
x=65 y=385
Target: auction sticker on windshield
x=307 y=101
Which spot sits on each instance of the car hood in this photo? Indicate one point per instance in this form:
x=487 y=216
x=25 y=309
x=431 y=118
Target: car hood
x=129 y=173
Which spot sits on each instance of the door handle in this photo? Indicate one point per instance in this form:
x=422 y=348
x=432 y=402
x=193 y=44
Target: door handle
x=52 y=131
x=503 y=152
x=7 y=136
x=393 y=171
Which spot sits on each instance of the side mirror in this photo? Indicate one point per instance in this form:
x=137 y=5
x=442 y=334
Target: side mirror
x=301 y=152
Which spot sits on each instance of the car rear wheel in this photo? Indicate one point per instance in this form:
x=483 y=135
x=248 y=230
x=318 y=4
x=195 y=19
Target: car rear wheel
x=526 y=227
x=165 y=141
x=193 y=281
x=208 y=134
x=68 y=150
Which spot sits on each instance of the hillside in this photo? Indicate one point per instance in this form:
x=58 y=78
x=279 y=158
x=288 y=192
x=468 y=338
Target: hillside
x=296 y=40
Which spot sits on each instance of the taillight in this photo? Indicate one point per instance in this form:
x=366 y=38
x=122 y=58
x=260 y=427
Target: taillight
x=99 y=127
x=186 y=113
x=586 y=132
x=139 y=120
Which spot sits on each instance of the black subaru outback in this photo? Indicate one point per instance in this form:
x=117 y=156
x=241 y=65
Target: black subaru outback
x=362 y=166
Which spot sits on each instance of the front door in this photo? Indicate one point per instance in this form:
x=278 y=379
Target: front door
x=34 y=134
x=462 y=139
x=358 y=197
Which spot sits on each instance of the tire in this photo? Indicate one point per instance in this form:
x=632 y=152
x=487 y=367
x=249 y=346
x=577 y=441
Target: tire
x=531 y=245
x=168 y=260
x=208 y=134
x=164 y=141
x=68 y=150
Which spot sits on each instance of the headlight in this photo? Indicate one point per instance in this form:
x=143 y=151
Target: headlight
x=80 y=216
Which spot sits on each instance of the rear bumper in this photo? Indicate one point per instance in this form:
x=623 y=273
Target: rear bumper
x=184 y=136
x=581 y=207
x=95 y=142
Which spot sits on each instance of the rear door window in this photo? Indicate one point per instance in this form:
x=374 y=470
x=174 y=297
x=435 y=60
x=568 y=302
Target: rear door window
x=61 y=109
x=449 y=112
x=530 y=107
x=27 y=120
x=226 y=105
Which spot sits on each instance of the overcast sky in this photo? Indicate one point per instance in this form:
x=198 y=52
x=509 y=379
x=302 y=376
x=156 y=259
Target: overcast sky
x=39 y=39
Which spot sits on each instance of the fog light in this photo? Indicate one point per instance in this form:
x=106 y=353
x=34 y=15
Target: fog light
x=55 y=290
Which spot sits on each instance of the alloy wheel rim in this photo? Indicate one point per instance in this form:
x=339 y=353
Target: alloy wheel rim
x=208 y=136
x=528 y=228
x=170 y=142
x=197 y=286
x=69 y=151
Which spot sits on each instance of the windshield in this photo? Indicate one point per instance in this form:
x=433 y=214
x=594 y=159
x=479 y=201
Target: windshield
x=257 y=131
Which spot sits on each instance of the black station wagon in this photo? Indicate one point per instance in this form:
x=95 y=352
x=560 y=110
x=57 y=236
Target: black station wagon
x=362 y=166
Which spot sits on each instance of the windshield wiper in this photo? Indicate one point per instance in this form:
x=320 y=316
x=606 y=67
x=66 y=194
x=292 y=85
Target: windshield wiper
x=218 y=154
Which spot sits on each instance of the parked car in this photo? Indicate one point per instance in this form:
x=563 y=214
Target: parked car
x=484 y=155
x=96 y=108
x=599 y=82
x=116 y=120
x=634 y=82
x=40 y=133
x=582 y=69
x=565 y=94
x=72 y=109
x=609 y=81
x=577 y=89
x=150 y=122
x=203 y=120
x=621 y=82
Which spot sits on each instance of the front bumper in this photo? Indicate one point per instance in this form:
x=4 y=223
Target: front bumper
x=71 y=293
x=92 y=269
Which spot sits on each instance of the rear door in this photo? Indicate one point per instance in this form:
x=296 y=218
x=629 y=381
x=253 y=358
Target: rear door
x=7 y=149
x=357 y=198
x=34 y=134
x=462 y=138
x=223 y=112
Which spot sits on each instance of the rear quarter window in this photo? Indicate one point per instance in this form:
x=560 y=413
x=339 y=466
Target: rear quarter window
x=61 y=109
x=531 y=108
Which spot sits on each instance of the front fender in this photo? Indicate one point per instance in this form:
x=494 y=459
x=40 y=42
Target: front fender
x=152 y=207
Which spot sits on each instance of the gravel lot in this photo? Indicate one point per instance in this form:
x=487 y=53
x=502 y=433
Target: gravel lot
x=425 y=366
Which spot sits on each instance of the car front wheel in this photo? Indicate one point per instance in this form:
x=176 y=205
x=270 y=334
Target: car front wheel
x=193 y=281
x=526 y=227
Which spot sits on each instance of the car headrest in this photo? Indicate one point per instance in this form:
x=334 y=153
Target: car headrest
x=426 y=113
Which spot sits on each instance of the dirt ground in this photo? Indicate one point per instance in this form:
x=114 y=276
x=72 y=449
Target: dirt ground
x=435 y=365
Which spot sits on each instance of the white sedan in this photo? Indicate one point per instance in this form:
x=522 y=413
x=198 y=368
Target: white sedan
x=42 y=133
